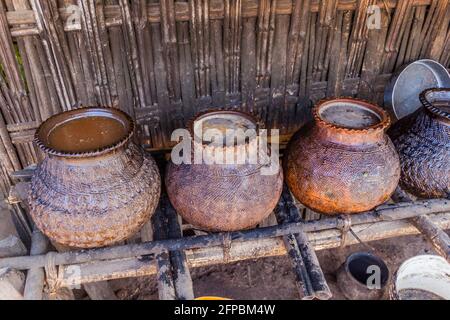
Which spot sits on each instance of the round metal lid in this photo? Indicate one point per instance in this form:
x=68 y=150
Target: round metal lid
x=402 y=93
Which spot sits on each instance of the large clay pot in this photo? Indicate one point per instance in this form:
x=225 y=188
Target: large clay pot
x=343 y=163
x=222 y=197
x=94 y=187
x=423 y=142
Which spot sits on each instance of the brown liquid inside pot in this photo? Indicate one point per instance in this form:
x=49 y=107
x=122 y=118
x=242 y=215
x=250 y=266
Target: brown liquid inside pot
x=349 y=115
x=86 y=134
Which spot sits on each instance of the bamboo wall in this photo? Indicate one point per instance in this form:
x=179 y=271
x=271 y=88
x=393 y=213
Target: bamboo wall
x=163 y=61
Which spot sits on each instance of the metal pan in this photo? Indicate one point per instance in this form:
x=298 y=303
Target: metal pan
x=401 y=96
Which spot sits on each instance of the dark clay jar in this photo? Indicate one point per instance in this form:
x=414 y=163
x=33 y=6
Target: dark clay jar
x=343 y=163
x=94 y=187
x=222 y=197
x=423 y=143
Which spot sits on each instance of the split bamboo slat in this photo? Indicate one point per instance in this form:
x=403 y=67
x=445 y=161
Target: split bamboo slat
x=164 y=61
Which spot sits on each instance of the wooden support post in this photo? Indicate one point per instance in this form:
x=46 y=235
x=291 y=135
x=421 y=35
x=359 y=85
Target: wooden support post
x=34 y=285
x=181 y=274
x=166 y=287
x=310 y=277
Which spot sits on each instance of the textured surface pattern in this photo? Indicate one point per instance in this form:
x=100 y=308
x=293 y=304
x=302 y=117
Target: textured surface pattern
x=344 y=177
x=95 y=201
x=423 y=143
x=223 y=197
x=219 y=198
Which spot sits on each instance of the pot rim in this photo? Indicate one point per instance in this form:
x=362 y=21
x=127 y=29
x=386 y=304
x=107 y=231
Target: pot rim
x=383 y=124
x=249 y=116
x=429 y=105
x=44 y=128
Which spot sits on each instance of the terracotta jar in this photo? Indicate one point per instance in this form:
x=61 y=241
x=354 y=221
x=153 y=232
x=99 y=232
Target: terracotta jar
x=94 y=187
x=423 y=143
x=222 y=197
x=343 y=163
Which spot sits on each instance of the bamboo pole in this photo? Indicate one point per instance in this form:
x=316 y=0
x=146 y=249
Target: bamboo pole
x=437 y=237
x=385 y=213
x=166 y=286
x=239 y=251
x=310 y=278
x=34 y=284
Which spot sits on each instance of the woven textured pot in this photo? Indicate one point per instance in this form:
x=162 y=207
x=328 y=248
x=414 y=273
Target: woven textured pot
x=423 y=143
x=222 y=197
x=343 y=163
x=94 y=187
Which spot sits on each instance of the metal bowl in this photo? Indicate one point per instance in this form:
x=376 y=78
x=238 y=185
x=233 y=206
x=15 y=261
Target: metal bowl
x=401 y=96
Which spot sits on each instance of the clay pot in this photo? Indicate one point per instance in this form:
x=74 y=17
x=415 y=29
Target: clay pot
x=423 y=142
x=343 y=163
x=94 y=187
x=357 y=278
x=222 y=197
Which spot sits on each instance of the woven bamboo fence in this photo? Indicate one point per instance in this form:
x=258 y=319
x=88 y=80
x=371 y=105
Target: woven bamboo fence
x=164 y=61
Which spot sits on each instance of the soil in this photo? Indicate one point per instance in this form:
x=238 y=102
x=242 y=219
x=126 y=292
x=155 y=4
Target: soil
x=273 y=278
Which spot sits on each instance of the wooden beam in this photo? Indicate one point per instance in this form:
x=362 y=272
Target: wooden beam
x=113 y=17
x=389 y=212
x=239 y=251
x=34 y=285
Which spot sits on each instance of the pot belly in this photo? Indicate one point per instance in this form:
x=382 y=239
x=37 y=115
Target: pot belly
x=83 y=218
x=335 y=181
x=222 y=202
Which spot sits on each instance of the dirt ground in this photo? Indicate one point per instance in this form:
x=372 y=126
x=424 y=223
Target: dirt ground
x=273 y=278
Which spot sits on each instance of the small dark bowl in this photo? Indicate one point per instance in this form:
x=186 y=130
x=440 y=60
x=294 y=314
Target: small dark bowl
x=354 y=274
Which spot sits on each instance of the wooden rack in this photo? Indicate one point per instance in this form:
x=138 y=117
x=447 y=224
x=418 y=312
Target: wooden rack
x=169 y=255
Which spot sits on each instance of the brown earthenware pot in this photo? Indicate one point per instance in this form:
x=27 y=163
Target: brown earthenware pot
x=343 y=163
x=423 y=142
x=94 y=187
x=222 y=197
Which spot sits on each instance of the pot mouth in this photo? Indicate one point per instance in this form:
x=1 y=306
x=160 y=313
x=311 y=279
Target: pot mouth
x=221 y=128
x=349 y=114
x=85 y=132
x=362 y=265
x=437 y=101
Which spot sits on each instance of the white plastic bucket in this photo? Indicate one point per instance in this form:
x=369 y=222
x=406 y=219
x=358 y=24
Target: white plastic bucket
x=422 y=277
